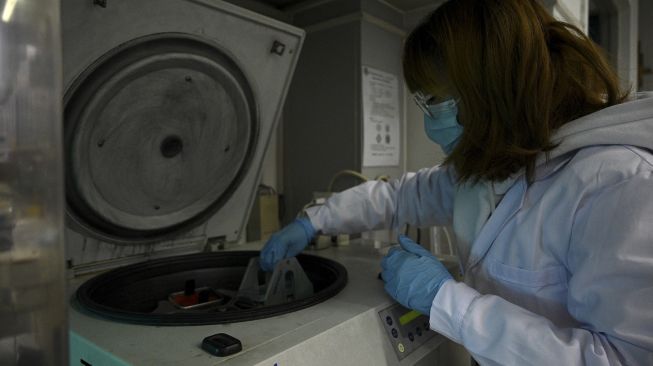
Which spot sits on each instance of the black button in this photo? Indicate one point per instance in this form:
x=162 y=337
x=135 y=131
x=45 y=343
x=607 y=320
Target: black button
x=221 y=344
x=388 y=320
x=394 y=333
x=426 y=325
x=418 y=331
x=411 y=337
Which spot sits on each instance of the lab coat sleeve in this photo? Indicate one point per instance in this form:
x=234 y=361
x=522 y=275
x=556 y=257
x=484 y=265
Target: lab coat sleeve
x=422 y=199
x=610 y=294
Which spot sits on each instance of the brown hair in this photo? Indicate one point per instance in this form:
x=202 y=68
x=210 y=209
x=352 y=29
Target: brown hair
x=519 y=74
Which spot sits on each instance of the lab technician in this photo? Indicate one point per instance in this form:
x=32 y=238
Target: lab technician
x=548 y=184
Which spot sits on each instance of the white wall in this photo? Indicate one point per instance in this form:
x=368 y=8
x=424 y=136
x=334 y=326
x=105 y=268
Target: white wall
x=628 y=13
x=577 y=12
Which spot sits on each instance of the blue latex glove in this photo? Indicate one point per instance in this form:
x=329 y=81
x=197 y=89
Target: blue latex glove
x=413 y=275
x=286 y=243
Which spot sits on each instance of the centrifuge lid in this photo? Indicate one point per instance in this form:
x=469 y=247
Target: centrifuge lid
x=169 y=109
x=158 y=134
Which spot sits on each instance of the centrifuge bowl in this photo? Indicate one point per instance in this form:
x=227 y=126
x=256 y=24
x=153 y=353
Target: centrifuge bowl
x=134 y=293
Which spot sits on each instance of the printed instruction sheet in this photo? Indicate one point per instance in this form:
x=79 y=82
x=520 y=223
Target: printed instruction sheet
x=381 y=119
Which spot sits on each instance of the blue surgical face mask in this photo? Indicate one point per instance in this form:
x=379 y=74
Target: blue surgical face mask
x=442 y=125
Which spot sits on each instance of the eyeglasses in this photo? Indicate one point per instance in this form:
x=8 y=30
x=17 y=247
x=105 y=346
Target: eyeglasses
x=423 y=101
x=426 y=101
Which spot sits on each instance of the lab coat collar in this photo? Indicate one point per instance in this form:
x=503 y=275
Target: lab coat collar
x=509 y=206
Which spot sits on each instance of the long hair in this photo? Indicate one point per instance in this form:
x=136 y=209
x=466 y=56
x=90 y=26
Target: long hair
x=519 y=75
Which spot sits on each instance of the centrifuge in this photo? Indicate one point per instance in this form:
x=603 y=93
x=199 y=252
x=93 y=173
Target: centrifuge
x=169 y=106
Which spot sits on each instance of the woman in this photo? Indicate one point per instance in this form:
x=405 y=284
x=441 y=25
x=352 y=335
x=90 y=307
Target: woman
x=548 y=185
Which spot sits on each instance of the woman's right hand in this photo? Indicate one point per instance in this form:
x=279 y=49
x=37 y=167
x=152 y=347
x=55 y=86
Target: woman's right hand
x=286 y=243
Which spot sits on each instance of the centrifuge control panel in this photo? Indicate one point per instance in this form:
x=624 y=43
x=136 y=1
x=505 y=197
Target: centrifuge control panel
x=407 y=329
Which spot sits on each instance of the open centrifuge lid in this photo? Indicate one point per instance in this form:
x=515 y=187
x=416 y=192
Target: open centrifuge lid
x=168 y=114
x=158 y=135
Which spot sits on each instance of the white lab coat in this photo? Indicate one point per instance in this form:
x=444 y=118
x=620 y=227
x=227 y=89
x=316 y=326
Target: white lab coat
x=562 y=272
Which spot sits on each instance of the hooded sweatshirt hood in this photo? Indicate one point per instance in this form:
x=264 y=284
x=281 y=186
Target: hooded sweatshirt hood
x=629 y=123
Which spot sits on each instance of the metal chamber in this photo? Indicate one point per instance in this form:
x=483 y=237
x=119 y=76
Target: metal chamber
x=139 y=293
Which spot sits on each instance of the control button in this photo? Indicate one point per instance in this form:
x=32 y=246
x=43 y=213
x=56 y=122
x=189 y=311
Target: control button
x=401 y=347
x=418 y=331
x=388 y=320
x=411 y=337
x=394 y=333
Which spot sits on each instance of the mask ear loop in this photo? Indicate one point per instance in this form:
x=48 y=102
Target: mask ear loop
x=421 y=100
x=448 y=104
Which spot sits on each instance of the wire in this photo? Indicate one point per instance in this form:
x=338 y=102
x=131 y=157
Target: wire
x=342 y=173
x=268 y=189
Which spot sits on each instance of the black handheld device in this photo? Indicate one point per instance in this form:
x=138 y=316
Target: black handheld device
x=221 y=344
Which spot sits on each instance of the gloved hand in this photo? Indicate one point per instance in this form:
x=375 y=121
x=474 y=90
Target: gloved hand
x=286 y=243
x=413 y=275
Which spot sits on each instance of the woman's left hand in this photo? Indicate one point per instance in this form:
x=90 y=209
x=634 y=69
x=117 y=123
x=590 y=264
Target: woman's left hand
x=413 y=275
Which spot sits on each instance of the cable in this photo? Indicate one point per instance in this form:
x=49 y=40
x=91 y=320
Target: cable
x=345 y=172
x=269 y=189
x=341 y=173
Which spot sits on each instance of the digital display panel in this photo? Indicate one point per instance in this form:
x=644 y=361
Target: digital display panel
x=409 y=317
